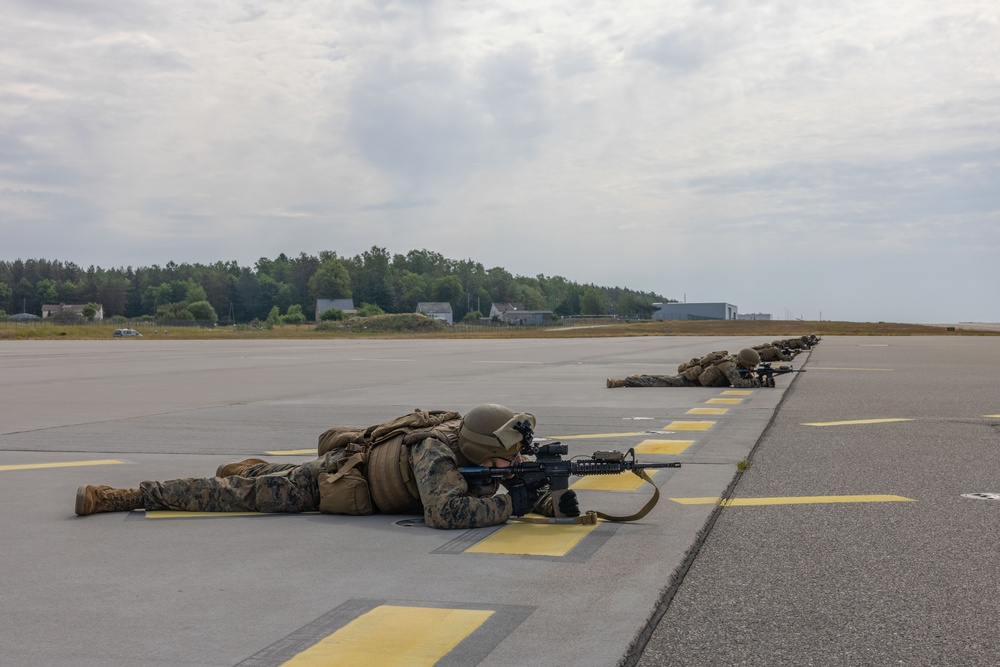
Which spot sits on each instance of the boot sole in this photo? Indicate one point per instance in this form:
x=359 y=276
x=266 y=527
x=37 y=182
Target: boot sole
x=81 y=502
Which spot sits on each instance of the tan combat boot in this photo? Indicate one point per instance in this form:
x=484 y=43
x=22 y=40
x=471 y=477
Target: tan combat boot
x=615 y=383
x=238 y=468
x=94 y=499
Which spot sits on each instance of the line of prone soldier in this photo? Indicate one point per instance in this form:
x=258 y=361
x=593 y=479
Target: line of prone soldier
x=408 y=465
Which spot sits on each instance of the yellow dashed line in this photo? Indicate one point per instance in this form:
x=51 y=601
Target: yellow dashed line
x=532 y=539
x=391 y=635
x=292 y=452
x=61 y=464
x=594 y=435
x=707 y=411
x=725 y=401
x=172 y=514
x=857 y=421
x=624 y=482
x=992 y=416
x=663 y=446
x=793 y=500
x=688 y=426
x=738 y=392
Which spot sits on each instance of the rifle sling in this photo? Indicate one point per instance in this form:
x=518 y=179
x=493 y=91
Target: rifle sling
x=590 y=517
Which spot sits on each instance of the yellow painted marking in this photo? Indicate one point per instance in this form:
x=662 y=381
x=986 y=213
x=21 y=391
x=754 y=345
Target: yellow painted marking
x=594 y=435
x=391 y=635
x=992 y=416
x=688 y=426
x=707 y=411
x=793 y=500
x=738 y=392
x=725 y=401
x=533 y=539
x=696 y=501
x=663 y=446
x=625 y=481
x=172 y=514
x=61 y=464
x=291 y=452
x=857 y=421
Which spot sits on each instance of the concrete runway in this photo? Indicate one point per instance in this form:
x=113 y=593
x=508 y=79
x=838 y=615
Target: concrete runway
x=126 y=589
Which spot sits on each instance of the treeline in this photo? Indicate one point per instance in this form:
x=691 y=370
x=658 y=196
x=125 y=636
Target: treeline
x=226 y=291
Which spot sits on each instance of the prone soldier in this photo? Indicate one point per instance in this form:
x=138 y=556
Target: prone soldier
x=717 y=369
x=405 y=466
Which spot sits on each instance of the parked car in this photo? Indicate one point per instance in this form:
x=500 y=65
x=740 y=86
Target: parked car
x=125 y=333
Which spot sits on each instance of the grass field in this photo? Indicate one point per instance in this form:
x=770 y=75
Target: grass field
x=765 y=329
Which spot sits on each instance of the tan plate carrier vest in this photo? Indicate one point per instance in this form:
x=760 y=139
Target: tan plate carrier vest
x=381 y=453
x=706 y=370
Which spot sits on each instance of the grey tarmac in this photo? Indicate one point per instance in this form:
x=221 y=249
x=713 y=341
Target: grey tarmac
x=125 y=589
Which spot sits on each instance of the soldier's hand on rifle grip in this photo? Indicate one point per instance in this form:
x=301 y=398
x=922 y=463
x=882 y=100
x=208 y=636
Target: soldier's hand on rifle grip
x=569 y=504
x=521 y=499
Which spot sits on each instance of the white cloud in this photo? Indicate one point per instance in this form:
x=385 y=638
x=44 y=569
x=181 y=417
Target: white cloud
x=622 y=144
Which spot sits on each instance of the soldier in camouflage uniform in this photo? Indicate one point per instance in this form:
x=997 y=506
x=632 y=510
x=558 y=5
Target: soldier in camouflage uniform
x=485 y=438
x=726 y=374
x=771 y=352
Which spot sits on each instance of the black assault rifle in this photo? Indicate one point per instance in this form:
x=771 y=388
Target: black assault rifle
x=765 y=372
x=549 y=468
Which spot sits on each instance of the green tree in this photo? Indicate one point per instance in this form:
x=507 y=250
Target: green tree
x=174 y=312
x=448 y=288
x=294 y=315
x=46 y=291
x=368 y=309
x=408 y=289
x=203 y=311
x=592 y=302
x=194 y=292
x=90 y=311
x=331 y=280
x=274 y=317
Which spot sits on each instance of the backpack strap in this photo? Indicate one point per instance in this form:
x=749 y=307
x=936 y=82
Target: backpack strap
x=590 y=517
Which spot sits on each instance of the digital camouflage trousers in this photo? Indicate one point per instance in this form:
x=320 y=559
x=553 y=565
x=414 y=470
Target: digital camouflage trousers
x=266 y=487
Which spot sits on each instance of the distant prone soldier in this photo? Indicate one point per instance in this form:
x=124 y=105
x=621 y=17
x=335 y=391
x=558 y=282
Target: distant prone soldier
x=771 y=352
x=409 y=465
x=716 y=369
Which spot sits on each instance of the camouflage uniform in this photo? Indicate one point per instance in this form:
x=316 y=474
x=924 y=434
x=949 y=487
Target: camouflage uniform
x=730 y=374
x=447 y=500
x=770 y=352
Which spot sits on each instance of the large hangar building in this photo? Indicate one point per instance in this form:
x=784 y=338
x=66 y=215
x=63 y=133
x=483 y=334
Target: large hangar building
x=694 y=311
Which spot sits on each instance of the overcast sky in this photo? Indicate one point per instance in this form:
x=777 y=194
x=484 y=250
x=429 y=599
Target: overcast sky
x=802 y=158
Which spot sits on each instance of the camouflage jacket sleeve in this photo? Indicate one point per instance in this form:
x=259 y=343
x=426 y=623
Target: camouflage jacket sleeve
x=735 y=379
x=448 y=502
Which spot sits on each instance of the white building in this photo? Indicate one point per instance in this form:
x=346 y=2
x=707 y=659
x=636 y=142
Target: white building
x=436 y=310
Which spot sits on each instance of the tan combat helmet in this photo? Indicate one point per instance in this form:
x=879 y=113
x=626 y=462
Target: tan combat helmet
x=488 y=431
x=748 y=357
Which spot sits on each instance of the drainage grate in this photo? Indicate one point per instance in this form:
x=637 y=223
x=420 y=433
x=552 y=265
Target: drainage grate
x=982 y=496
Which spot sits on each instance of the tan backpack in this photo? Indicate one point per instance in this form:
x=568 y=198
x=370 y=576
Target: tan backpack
x=379 y=463
x=704 y=361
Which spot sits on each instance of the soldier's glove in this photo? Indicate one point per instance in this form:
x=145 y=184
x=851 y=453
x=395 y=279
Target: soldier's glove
x=569 y=505
x=521 y=499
